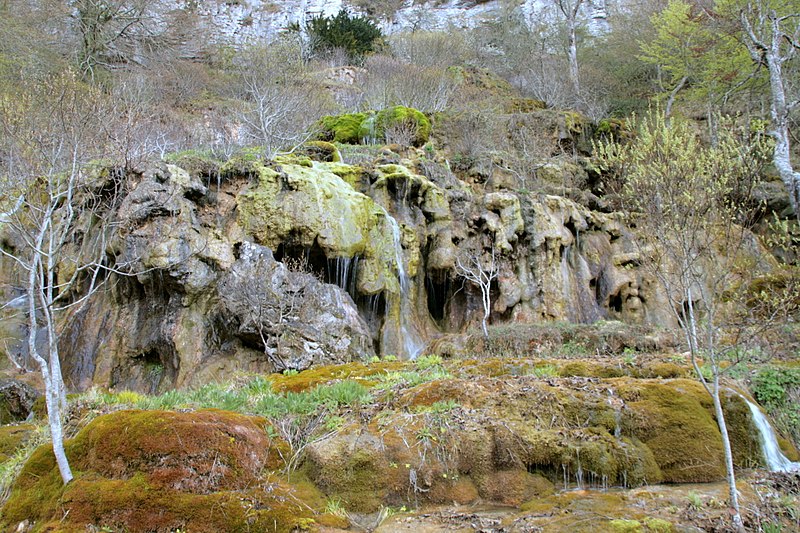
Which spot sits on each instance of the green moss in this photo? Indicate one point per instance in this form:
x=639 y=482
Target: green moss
x=354 y=176
x=744 y=437
x=513 y=487
x=355 y=471
x=314 y=206
x=405 y=117
x=196 y=162
x=674 y=420
x=12 y=438
x=160 y=471
x=308 y=379
x=625 y=526
x=524 y=105
x=657 y=525
x=321 y=151
x=345 y=128
x=35 y=493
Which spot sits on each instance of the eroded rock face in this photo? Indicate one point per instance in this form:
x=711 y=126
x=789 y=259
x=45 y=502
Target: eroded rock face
x=201 y=300
x=16 y=400
x=288 y=263
x=292 y=316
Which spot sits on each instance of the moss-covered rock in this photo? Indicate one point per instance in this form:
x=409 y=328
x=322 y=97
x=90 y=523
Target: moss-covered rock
x=413 y=123
x=345 y=128
x=313 y=205
x=674 y=419
x=160 y=471
x=321 y=151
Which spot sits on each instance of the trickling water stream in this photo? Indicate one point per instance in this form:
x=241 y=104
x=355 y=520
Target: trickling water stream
x=412 y=343
x=776 y=461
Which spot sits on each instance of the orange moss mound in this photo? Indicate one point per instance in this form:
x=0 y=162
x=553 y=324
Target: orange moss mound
x=160 y=471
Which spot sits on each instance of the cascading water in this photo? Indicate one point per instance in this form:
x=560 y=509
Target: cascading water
x=776 y=461
x=343 y=271
x=412 y=343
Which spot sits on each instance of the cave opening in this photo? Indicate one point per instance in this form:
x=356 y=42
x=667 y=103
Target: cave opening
x=340 y=271
x=372 y=307
x=301 y=258
x=439 y=290
x=615 y=302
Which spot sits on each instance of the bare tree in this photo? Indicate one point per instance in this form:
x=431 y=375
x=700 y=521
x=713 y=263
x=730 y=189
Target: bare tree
x=280 y=101
x=110 y=31
x=269 y=298
x=570 y=8
x=480 y=268
x=57 y=222
x=773 y=39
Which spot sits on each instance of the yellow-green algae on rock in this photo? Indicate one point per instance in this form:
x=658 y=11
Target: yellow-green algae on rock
x=142 y=471
x=313 y=204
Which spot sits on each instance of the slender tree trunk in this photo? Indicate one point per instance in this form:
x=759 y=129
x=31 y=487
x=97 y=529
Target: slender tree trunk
x=487 y=309
x=713 y=390
x=766 y=50
x=573 y=54
x=726 y=446
x=671 y=99
x=55 y=398
x=780 y=132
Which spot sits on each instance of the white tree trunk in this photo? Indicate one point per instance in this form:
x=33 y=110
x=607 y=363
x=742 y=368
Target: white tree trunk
x=733 y=495
x=572 y=53
x=51 y=370
x=780 y=132
x=764 y=41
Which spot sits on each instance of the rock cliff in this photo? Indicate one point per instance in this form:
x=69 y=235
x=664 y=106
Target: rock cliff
x=267 y=265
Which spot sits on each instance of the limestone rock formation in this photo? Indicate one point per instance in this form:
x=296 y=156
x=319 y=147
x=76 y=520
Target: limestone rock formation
x=265 y=265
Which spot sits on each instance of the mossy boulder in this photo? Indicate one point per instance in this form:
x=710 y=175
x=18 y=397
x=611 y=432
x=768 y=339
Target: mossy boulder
x=352 y=467
x=345 y=128
x=412 y=122
x=674 y=419
x=313 y=206
x=322 y=151
x=144 y=471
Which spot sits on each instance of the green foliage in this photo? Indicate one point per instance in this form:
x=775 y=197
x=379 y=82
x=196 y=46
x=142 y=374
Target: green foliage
x=425 y=362
x=544 y=371
x=412 y=120
x=689 y=46
x=777 y=388
x=11 y=465
x=354 y=34
x=695 y=500
x=345 y=128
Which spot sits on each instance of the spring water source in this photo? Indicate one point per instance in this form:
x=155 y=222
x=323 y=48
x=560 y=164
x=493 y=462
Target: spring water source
x=776 y=461
x=412 y=343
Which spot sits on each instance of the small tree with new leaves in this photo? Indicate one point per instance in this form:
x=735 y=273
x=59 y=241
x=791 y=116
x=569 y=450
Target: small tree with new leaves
x=689 y=204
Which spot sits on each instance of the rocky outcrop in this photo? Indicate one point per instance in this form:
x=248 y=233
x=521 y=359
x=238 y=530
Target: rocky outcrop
x=16 y=400
x=200 y=300
x=266 y=265
x=241 y=21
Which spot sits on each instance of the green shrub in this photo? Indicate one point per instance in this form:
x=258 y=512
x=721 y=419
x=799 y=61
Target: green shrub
x=345 y=128
x=407 y=118
x=354 y=34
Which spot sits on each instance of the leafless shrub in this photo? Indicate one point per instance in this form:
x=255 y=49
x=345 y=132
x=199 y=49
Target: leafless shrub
x=402 y=133
x=279 y=100
x=389 y=82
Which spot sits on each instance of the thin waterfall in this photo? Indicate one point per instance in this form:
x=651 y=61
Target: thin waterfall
x=412 y=343
x=776 y=461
